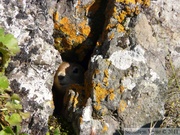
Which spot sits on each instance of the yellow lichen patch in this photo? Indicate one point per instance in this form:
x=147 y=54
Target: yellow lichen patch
x=122 y=89
x=84 y=28
x=112 y=95
x=97 y=107
x=111 y=36
x=122 y=106
x=73 y=34
x=106 y=75
x=137 y=11
x=100 y=92
x=122 y=16
x=105 y=80
x=105 y=127
x=128 y=10
x=120 y=28
x=146 y=3
x=127 y=1
x=114 y=12
x=110 y=26
x=55 y=16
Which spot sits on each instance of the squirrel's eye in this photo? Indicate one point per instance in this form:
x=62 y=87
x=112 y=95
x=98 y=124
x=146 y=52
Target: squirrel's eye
x=75 y=70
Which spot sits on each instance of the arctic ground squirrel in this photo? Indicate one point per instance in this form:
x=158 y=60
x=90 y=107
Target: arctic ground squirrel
x=67 y=74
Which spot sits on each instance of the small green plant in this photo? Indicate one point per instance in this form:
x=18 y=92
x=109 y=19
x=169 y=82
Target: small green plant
x=11 y=114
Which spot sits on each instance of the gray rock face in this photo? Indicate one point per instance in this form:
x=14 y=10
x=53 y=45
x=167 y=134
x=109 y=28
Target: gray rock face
x=31 y=72
x=126 y=77
x=126 y=80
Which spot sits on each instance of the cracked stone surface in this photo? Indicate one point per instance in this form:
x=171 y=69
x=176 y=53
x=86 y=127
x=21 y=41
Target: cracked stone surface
x=126 y=78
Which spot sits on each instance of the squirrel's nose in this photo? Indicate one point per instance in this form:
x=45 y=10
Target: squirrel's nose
x=60 y=77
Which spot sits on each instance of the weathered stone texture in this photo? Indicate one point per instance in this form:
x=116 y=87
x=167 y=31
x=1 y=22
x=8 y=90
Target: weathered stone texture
x=126 y=77
x=125 y=82
x=31 y=72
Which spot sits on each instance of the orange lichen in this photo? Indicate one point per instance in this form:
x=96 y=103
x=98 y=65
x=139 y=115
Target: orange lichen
x=115 y=12
x=97 y=107
x=105 y=80
x=127 y=1
x=120 y=28
x=112 y=95
x=73 y=34
x=122 y=16
x=137 y=11
x=122 y=106
x=128 y=10
x=84 y=28
x=111 y=36
x=55 y=17
x=106 y=75
x=105 y=127
x=100 y=92
x=109 y=26
x=122 y=89
x=146 y=3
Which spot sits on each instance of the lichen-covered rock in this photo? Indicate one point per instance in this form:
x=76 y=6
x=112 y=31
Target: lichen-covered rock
x=31 y=72
x=77 y=27
x=126 y=80
x=128 y=84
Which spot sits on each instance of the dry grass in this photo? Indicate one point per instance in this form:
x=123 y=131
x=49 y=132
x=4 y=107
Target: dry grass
x=172 y=106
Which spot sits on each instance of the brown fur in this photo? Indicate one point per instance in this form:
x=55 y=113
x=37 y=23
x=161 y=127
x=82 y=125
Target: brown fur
x=67 y=74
